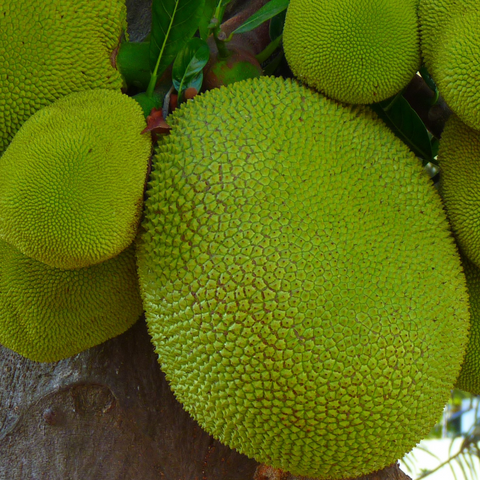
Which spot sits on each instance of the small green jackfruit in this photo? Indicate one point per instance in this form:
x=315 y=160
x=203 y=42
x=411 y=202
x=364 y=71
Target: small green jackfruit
x=301 y=285
x=353 y=51
x=469 y=378
x=459 y=159
x=451 y=50
x=47 y=314
x=72 y=179
x=50 y=49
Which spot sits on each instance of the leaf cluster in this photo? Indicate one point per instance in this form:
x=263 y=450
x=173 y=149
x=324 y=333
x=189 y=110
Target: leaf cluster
x=178 y=40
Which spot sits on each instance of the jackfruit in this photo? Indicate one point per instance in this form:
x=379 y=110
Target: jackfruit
x=459 y=160
x=353 y=51
x=301 y=285
x=72 y=179
x=469 y=378
x=47 y=314
x=50 y=49
x=451 y=50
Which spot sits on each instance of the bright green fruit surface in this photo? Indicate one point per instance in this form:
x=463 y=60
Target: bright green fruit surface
x=353 y=51
x=469 y=378
x=49 y=49
x=451 y=50
x=72 y=179
x=459 y=158
x=47 y=314
x=301 y=285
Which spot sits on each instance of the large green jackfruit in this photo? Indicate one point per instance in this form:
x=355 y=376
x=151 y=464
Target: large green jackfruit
x=72 y=179
x=301 y=285
x=353 y=51
x=469 y=378
x=459 y=159
x=47 y=314
x=451 y=50
x=49 y=49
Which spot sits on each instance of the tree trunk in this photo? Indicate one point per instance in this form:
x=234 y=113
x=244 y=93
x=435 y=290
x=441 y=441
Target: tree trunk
x=105 y=414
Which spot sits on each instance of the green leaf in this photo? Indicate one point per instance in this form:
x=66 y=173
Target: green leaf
x=133 y=62
x=173 y=23
x=276 y=25
x=430 y=83
x=271 y=68
x=269 y=50
x=149 y=102
x=188 y=66
x=268 y=11
x=406 y=124
x=220 y=10
x=206 y=18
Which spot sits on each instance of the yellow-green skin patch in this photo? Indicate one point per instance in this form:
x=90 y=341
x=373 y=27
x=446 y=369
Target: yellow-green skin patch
x=459 y=158
x=49 y=49
x=47 y=314
x=469 y=378
x=300 y=282
x=72 y=180
x=353 y=51
x=451 y=50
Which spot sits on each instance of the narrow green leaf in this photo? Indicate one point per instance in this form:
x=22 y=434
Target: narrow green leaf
x=276 y=25
x=269 y=50
x=188 y=66
x=206 y=18
x=430 y=83
x=406 y=124
x=271 y=68
x=173 y=23
x=220 y=10
x=268 y=11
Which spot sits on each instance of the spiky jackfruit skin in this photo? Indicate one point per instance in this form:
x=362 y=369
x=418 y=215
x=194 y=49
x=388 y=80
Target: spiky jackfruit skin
x=300 y=282
x=353 y=51
x=459 y=159
x=469 y=378
x=451 y=50
x=47 y=314
x=72 y=179
x=51 y=49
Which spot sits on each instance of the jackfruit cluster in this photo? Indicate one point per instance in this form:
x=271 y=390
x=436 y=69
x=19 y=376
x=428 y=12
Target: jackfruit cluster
x=47 y=314
x=459 y=159
x=451 y=51
x=300 y=282
x=50 y=49
x=353 y=51
x=72 y=179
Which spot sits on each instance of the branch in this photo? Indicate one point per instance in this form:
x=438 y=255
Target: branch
x=392 y=472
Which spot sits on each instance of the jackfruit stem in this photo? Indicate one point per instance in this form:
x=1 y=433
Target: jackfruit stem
x=221 y=43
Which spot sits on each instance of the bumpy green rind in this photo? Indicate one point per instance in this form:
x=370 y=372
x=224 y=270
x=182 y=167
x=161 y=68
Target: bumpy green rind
x=353 y=51
x=72 y=179
x=469 y=378
x=459 y=159
x=50 y=49
x=301 y=285
x=451 y=50
x=47 y=314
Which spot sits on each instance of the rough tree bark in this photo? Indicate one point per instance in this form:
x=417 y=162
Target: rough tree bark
x=108 y=413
